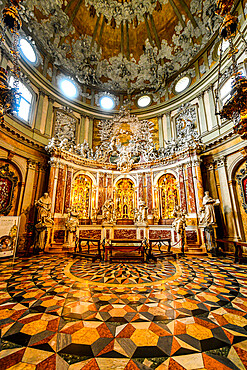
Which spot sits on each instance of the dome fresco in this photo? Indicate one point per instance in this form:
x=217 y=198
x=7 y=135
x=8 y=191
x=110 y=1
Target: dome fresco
x=121 y=46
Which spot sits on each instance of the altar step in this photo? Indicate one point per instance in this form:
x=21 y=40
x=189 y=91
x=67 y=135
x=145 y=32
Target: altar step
x=195 y=251
x=56 y=248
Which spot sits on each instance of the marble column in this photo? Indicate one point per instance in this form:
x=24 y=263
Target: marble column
x=81 y=134
x=109 y=188
x=28 y=194
x=226 y=206
x=4 y=59
x=198 y=183
x=182 y=189
x=86 y=128
x=149 y=194
x=168 y=126
x=52 y=184
x=49 y=115
x=190 y=189
x=39 y=112
x=101 y=194
x=202 y=113
x=140 y=188
x=212 y=106
x=161 y=133
x=90 y=132
x=68 y=189
x=60 y=189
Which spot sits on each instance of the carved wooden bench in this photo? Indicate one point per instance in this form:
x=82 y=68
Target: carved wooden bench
x=238 y=249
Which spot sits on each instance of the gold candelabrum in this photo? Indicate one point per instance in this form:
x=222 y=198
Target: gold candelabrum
x=236 y=106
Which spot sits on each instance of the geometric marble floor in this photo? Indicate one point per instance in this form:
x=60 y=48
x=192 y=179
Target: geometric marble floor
x=60 y=313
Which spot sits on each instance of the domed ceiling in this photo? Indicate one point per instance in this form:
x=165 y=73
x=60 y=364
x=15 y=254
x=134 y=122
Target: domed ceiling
x=121 y=45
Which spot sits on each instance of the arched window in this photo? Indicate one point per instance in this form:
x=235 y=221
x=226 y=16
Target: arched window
x=81 y=195
x=26 y=101
x=168 y=195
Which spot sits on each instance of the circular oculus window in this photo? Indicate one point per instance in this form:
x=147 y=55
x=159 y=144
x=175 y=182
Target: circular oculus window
x=28 y=51
x=144 y=101
x=68 y=88
x=182 y=84
x=106 y=102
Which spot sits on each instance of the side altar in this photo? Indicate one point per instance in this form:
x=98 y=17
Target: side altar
x=126 y=187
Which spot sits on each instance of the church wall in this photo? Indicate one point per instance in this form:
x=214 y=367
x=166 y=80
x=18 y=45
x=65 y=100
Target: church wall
x=27 y=142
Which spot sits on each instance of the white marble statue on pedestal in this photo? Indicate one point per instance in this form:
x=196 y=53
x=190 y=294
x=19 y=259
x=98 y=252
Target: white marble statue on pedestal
x=179 y=225
x=71 y=225
x=207 y=221
x=45 y=223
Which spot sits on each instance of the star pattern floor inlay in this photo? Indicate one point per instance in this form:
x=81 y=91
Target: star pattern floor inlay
x=123 y=315
x=123 y=273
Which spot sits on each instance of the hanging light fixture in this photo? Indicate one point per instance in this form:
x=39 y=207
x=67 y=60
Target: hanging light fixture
x=9 y=97
x=236 y=106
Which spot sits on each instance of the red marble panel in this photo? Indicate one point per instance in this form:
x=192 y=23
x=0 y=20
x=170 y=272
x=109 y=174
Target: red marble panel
x=141 y=187
x=60 y=191
x=68 y=191
x=101 y=197
x=59 y=236
x=51 y=181
x=109 y=187
x=142 y=234
x=191 y=236
x=59 y=222
x=124 y=234
x=191 y=190
x=107 y=234
x=90 y=234
x=155 y=234
x=149 y=194
x=182 y=190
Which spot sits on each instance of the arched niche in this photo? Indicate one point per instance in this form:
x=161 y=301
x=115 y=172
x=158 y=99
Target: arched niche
x=82 y=196
x=125 y=200
x=10 y=188
x=168 y=197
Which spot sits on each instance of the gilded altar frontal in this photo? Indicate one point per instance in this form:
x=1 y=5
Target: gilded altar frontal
x=123 y=184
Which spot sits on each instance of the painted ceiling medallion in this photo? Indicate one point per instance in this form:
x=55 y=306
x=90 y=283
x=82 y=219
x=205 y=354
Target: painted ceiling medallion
x=134 y=10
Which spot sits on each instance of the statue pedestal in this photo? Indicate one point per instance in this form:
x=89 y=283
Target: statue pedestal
x=210 y=238
x=69 y=241
x=142 y=224
x=44 y=236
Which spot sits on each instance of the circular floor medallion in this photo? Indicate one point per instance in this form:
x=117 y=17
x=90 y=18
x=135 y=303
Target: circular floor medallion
x=123 y=273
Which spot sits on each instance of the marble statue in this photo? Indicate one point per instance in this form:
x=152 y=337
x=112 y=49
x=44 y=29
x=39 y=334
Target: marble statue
x=72 y=222
x=179 y=225
x=207 y=221
x=71 y=225
x=209 y=214
x=156 y=215
x=44 y=209
x=44 y=225
x=108 y=211
x=140 y=214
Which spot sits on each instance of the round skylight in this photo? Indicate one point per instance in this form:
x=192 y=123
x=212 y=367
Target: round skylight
x=68 y=88
x=182 y=84
x=144 y=101
x=27 y=50
x=107 y=103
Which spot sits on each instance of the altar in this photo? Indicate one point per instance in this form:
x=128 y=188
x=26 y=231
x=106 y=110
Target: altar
x=127 y=187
